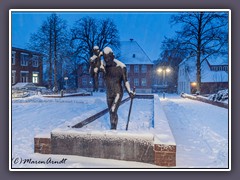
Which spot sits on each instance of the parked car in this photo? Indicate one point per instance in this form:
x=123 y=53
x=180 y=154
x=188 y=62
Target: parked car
x=26 y=89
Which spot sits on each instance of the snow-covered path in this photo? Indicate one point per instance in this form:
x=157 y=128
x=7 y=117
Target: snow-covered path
x=200 y=131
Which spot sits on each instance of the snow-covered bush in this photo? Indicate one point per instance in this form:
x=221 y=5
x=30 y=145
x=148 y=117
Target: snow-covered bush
x=221 y=96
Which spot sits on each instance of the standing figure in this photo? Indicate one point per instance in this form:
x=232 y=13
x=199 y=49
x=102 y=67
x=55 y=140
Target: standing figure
x=96 y=66
x=115 y=75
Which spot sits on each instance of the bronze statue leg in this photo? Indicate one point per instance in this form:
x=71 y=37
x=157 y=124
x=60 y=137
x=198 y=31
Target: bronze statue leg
x=95 y=82
x=113 y=105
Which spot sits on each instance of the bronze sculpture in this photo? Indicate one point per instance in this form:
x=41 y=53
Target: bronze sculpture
x=96 y=65
x=115 y=75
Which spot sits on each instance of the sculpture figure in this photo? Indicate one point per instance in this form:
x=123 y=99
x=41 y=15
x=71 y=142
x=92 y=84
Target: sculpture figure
x=96 y=65
x=115 y=75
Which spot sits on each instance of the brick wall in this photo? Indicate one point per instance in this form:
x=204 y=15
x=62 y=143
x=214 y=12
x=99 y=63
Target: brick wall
x=18 y=68
x=42 y=145
x=165 y=155
x=131 y=76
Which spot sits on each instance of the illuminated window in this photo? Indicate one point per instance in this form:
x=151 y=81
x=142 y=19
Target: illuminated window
x=35 y=77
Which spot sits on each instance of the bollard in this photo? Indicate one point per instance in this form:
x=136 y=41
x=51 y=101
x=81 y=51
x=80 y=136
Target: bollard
x=61 y=92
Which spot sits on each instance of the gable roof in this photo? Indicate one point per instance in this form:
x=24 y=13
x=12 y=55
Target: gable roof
x=26 y=51
x=206 y=74
x=218 y=60
x=132 y=53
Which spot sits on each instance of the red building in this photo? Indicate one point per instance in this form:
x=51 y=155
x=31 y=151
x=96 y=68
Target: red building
x=26 y=66
x=139 y=68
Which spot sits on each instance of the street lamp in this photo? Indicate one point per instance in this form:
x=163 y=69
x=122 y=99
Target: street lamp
x=165 y=70
x=66 y=78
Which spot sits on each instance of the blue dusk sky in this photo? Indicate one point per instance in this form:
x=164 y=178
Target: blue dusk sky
x=147 y=28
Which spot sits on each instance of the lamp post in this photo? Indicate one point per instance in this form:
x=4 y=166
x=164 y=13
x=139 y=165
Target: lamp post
x=164 y=70
x=66 y=78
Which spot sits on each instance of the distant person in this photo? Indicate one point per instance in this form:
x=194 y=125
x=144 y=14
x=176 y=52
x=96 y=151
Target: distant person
x=96 y=66
x=115 y=75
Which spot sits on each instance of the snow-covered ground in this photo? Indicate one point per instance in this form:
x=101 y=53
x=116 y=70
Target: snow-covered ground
x=200 y=129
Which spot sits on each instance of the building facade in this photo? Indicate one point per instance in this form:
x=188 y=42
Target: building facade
x=214 y=75
x=26 y=66
x=138 y=64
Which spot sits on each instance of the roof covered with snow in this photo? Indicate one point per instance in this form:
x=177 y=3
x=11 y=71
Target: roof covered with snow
x=20 y=48
x=132 y=53
x=206 y=74
x=218 y=60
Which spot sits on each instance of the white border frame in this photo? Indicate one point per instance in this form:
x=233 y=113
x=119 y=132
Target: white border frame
x=115 y=11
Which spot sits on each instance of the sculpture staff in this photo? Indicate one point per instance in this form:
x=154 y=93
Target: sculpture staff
x=115 y=75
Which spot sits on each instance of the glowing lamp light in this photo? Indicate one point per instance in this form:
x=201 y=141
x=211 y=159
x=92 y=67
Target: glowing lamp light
x=194 y=84
x=168 y=70
x=160 y=70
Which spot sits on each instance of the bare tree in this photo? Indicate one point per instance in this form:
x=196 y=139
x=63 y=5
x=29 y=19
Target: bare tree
x=202 y=35
x=51 y=40
x=88 y=32
x=171 y=56
x=42 y=41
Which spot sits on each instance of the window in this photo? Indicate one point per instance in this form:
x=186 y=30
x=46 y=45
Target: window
x=128 y=68
x=13 y=77
x=84 y=68
x=136 y=68
x=129 y=79
x=24 y=59
x=144 y=82
x=24 y=76
x=136 y=82
x=13 y=57
x=35 y=61
x=225 y=68
x=84 y=81
x=35 y=77
x=144 y=68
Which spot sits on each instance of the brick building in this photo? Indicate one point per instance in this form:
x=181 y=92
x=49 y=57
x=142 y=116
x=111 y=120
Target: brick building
x=139 y=68
x=26 y=66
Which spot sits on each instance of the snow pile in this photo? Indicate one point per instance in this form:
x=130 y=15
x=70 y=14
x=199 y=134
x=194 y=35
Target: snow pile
x=144 y=137
x=220 y=96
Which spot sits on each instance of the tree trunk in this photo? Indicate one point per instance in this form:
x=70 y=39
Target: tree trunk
x=55 y=58
x=50 y=60
x=199 y=43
